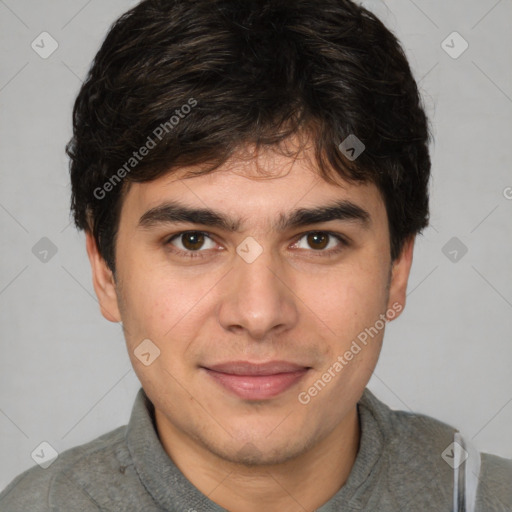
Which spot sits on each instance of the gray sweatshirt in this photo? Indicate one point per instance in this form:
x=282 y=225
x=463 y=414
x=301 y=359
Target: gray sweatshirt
x=404 y=463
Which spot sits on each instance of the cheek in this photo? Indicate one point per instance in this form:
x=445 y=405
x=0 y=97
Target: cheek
x=166 y=312
x=163 y=306
x=351 y=306
x=346 y=302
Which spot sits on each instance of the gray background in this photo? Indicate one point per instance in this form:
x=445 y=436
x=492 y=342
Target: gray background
x=65 y=376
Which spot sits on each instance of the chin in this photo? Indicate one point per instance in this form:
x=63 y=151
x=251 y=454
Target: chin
x=257 y=454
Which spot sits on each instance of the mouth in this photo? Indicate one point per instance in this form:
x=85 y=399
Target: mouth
x=256 y=381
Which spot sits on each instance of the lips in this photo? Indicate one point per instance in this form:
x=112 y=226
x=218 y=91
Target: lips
x=256 y=381
x=247 y=368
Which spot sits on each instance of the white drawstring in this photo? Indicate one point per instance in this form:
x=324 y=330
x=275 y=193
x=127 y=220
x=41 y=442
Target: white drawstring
x=466 y=474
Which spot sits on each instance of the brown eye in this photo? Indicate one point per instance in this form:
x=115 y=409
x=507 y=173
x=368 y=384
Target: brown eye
x=322 y=243
x=318 y=240
x=191 y=244
x=192 y=240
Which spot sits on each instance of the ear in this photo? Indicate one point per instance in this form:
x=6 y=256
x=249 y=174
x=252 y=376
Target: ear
x=103 y=281
x=399 y=277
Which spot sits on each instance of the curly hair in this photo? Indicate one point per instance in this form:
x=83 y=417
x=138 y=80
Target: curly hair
x=249 y=72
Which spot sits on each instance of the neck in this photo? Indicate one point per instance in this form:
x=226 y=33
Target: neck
x=305 y=482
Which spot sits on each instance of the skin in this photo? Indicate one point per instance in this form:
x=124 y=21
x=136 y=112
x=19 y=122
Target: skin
x=292 y=303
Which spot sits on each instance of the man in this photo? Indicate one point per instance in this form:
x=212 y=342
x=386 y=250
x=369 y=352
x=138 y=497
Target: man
x=251 y=176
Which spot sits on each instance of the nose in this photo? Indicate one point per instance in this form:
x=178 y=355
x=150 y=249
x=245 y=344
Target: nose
x=257 y=299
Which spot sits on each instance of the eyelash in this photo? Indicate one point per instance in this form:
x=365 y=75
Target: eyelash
x=197 y=254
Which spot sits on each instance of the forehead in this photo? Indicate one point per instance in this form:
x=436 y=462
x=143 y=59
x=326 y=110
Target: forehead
x=251 y=187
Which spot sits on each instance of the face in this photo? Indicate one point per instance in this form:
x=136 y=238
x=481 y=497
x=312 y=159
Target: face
x=254 y=282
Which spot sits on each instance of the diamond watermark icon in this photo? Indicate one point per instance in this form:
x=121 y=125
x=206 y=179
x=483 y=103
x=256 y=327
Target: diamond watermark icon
x=454 y=250
x=249 y=451
x=44 y=454
x=351 y=147
x=454 y=45
x=44 y=45
x=146 y=352
x=249 y=249
x=455 y=455
x=44 y=250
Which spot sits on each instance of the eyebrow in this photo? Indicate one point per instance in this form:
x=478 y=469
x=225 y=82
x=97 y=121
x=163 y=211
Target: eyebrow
x=175 y=212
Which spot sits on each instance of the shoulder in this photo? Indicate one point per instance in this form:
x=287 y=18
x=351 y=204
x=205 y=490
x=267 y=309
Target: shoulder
x=62 y=483
x=416 y=445
x=433 y=439
x=407 y=434
x=495 y=484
